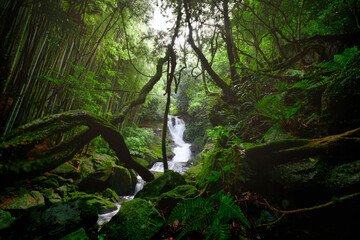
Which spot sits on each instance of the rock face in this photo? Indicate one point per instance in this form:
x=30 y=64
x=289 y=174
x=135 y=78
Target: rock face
x=137 y=219
x=101 y=172
x=166 y=182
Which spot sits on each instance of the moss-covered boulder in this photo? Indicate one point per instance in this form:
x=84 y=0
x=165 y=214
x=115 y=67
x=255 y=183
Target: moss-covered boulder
x=166 y=182
x=53 y=221
x=5 y=219
x=167 y=201
x=191 y=174
x=79 y=234
x=111 y=195
x=137 y=219
x=23 y=201
x=102 y=172
x=66 y=170
x=141 y=161
x=121 y=180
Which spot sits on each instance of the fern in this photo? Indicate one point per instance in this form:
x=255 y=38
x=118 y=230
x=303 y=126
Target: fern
x=211 y=216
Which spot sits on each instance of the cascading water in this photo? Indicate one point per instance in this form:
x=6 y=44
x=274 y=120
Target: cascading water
x=182 y=150
x=179 y=163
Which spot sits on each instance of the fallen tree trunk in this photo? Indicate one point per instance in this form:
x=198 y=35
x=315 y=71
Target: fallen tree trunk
x=305 y=169
x=25 y=153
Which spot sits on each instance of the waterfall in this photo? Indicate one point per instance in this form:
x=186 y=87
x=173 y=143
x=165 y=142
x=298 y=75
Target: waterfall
x=179 y=163
x=181 y=150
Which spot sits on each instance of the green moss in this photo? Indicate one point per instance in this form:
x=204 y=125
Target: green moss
x=169 y=199
x=203 y=176
x=5 y=219
x=192 y=173
x=111 y=195
x=344 y=176
x=80 y=234
x=166 y=182
x=24 y=201
x=137 y=219
x=141 y=161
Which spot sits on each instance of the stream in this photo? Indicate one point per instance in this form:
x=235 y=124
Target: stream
x=179 y=163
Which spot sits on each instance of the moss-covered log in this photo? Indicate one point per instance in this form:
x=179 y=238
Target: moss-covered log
x=282 y=151
x=295 y=168
x=25 y=153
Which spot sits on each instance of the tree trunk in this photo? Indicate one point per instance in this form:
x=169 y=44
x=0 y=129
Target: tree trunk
x=27 y=152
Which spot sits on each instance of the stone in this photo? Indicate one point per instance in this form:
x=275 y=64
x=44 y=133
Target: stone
x=167 y=201
x=136 y=219
x=5 y=219
x=24 y=201
x=79 y=234
x=111 y=195
x=66 y=170
x=166 y=182
x=121 y=181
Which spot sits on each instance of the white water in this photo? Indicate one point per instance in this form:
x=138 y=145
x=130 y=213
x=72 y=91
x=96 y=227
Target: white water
x=106 y=217
x=182 y=150
x=182 y=153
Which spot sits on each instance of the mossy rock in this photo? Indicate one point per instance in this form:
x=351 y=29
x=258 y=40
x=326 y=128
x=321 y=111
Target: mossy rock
x=345 y=177
x=66 y=170
x=137 y=219
x=191 y=174
x=24 y=201
x=166 y=182
x=141 y=161
x=93 y=205
x=79 y=234
x=100 y=163
x=276 y=132
x=169 y=199
x=121 y=181
x=5 y=219
x=153 y=156
x=111 y=195
x=51 y=195
x=53 y=221
x=204 y=174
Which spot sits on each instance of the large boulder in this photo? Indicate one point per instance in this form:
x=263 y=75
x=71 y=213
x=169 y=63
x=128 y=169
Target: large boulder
x=23 y=201
x=166 y=182
x=167 y=201
x=137 y=219
x=54 y=221
x=101 y=172
x=66 y=170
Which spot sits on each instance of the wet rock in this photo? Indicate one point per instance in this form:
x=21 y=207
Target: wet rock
x=102 y=172
x=121 y=180
x=137 y=219
x=111 y=195
x=24 y=201
x=79 y=234
x=66 y=170
x=5 y=219
x=53 y=221
x=166 y=182
x=167 y=201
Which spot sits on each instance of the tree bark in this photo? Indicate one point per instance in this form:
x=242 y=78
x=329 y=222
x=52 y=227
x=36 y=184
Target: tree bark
x=25 y=153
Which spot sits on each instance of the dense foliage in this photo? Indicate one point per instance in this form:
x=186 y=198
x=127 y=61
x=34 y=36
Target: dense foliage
x=269 y=91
